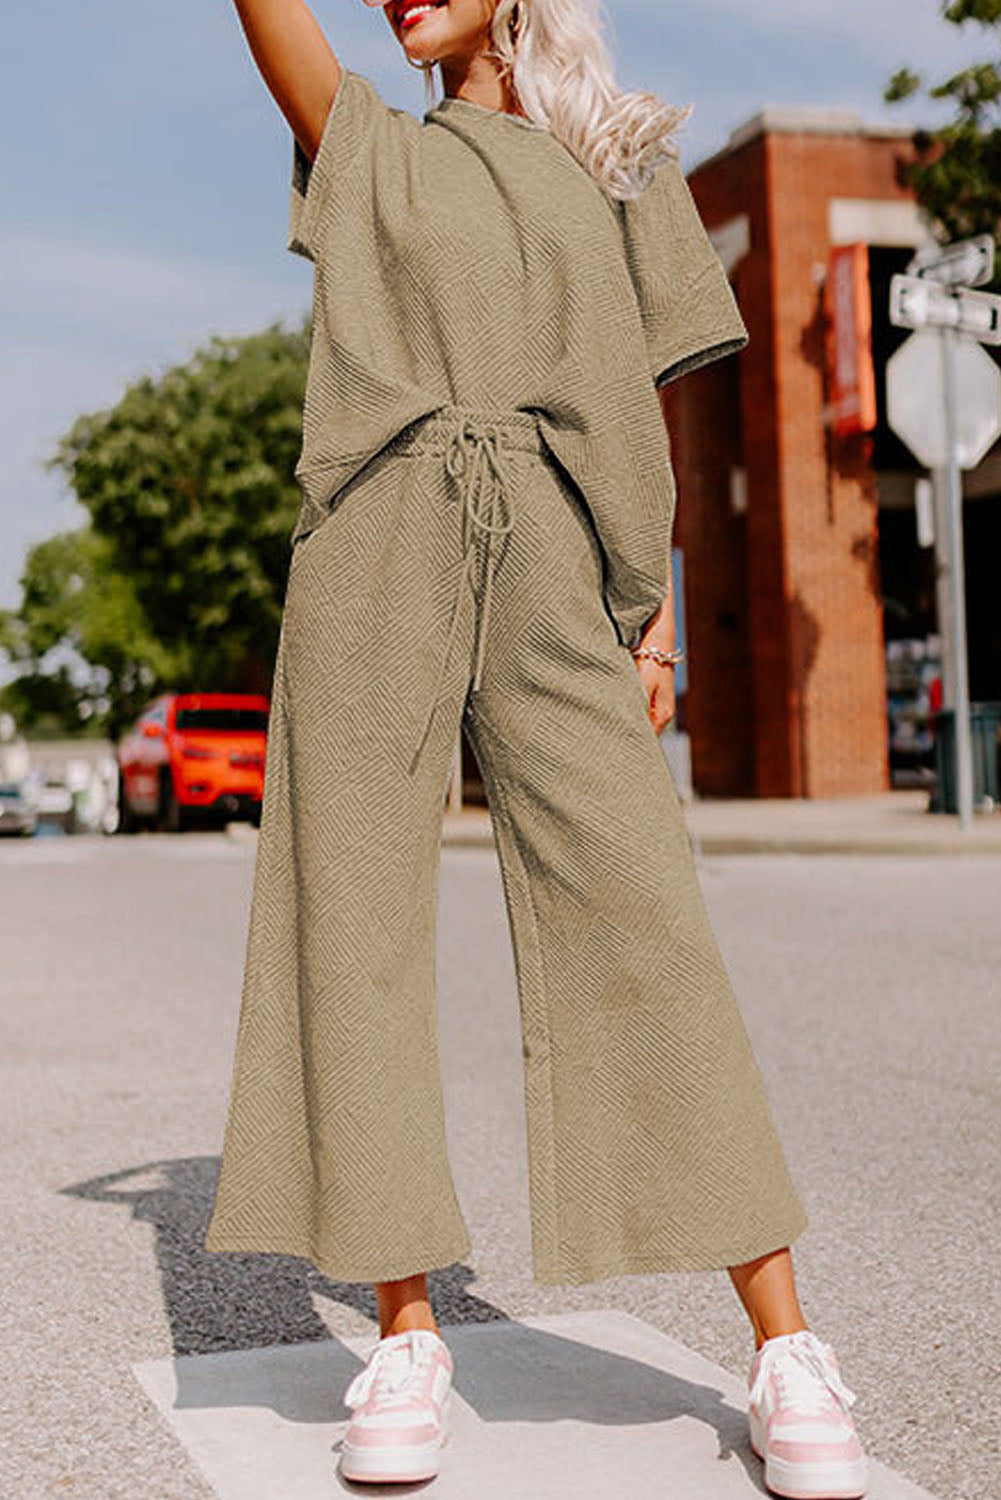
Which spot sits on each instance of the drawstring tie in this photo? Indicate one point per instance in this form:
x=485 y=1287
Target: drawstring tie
x=476 y=460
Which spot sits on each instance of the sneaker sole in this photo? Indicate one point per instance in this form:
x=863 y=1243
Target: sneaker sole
x=816 y=1481
x=391 y=1465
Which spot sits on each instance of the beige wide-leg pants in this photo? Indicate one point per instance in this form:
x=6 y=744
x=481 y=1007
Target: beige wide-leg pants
x=458 y=578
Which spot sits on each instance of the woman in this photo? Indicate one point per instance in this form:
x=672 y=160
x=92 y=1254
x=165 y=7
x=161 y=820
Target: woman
x=487 y=503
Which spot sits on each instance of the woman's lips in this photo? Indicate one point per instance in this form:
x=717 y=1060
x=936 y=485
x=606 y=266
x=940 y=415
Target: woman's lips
x=408 y=15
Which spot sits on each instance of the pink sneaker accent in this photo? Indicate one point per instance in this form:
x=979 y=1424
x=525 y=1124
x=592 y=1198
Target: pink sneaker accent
x=798 y=1409
x=401 y=1402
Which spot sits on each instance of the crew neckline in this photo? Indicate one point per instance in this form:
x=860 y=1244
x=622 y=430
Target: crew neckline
x=453 y=101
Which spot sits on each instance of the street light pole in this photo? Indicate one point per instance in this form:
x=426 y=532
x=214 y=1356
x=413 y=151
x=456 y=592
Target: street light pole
x=960 y=673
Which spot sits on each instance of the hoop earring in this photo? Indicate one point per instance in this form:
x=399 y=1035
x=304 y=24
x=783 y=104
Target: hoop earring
x=424 y=67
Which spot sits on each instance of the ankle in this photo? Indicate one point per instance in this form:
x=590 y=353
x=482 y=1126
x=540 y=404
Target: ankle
x=403 y=1305
x=406 y=1320
x=776 y=1330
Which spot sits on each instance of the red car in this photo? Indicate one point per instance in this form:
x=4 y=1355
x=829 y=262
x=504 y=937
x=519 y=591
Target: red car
x=193 y=754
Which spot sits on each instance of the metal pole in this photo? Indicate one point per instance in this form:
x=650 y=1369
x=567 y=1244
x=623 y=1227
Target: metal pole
x=964 y=747
x=943 y=587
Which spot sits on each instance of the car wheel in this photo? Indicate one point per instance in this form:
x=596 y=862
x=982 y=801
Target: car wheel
x=172 y=817
x=127 y=820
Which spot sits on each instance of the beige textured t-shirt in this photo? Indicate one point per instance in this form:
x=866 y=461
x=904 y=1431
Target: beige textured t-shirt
x=469 y=259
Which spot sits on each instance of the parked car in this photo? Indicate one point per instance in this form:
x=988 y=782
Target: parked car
x=54 y=802
x=191 y=756
x=17 y=809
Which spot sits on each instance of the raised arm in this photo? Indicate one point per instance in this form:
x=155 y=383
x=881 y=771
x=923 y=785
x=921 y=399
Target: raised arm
x=295 y=61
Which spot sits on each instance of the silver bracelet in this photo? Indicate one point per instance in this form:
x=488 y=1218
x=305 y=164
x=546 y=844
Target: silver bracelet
x=663 y=658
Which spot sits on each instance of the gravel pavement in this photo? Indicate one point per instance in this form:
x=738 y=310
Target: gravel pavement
x=871 y=987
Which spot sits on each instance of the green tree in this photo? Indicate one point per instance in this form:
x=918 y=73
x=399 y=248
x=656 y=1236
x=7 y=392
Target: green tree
x=47 y=705
x=956 y=169
x=178 y=581
x=82 y=645
x=190 y=479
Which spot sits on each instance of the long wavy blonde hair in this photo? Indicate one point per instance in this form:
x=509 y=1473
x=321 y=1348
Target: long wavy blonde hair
x=555 y=54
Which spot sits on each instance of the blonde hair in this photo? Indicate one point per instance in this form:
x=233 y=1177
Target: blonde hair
x=555 y=54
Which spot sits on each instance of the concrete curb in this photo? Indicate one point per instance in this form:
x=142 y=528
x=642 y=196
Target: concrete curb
x=895 y=824
x=735 y=844
x=472 y=828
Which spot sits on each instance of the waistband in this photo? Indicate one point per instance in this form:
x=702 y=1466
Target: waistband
x=433 y=433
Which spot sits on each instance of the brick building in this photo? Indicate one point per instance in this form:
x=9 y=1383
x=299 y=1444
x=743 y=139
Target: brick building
x=799 y=547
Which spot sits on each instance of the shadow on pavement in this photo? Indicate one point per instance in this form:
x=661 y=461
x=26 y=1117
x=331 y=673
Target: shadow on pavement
x=226 y=1301
x=235 y=1304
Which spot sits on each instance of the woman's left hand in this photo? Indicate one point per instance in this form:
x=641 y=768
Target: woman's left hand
x=659 y=684
x=658 y=680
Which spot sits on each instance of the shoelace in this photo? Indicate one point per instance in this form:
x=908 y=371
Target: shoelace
x=797 y=1365
x=393 y=1364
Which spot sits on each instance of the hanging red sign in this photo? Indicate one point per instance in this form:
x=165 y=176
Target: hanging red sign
x=849 y=315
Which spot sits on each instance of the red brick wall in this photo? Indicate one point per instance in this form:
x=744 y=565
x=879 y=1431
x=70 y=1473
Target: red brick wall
x=706 y=431
x=810 y=667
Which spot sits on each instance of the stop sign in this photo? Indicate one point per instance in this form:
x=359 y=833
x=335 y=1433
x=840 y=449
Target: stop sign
x=915 y=399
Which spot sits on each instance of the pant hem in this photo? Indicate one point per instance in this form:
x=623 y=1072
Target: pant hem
x=350 y=1271
x=557 y=1273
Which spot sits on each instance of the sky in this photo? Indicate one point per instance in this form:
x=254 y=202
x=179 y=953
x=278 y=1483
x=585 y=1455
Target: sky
x=145 y=176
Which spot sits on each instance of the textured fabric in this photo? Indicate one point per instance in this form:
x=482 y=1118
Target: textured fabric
x=470 y=259
x=651 y=1146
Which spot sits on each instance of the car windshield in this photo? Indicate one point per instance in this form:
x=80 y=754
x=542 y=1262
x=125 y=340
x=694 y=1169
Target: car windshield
x=11 y=793
x=229 y=720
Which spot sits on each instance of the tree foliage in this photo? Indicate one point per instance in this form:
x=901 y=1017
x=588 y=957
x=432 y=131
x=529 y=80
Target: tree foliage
x=178 y=579
x=955 y=172
x=84 y=647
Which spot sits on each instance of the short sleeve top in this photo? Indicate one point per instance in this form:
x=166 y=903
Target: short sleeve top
x=469 y=259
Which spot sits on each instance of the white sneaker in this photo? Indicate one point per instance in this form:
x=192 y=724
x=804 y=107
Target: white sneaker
x=401 y=1402
x=800 y=1423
